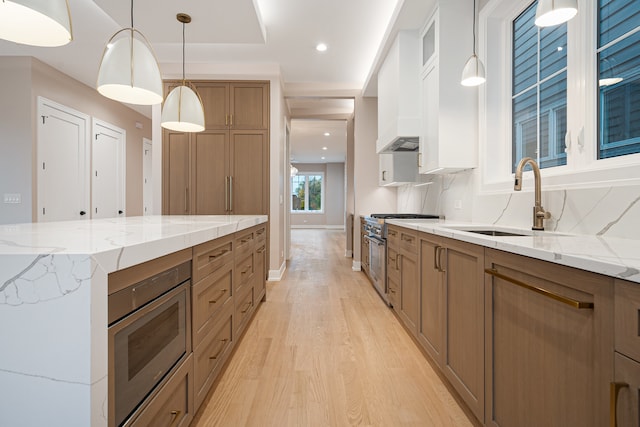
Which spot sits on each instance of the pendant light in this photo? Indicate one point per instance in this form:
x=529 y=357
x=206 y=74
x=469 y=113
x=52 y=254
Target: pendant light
x=129 y=70
x=45 y=23
x=555 y=12
x=473 y=71
x=183 y=110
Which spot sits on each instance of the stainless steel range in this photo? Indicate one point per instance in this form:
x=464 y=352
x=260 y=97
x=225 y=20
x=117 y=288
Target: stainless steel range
x=376 y=228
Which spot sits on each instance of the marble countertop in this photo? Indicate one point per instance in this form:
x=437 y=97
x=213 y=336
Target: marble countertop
x=614 y=257
x=117 y=243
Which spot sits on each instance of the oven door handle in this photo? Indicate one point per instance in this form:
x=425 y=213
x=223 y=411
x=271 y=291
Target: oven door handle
x=375 y=241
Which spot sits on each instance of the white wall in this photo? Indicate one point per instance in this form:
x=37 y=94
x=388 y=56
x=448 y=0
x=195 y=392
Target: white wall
x=334 y=197
x=16 y=139
x=23 y=79
x=368 y=197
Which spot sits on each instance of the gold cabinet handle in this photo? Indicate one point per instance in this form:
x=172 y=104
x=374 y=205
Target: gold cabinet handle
x=231 y=119
x=214 y=301
x=230 y=193
x=219 y=254
x=614 y=389
x=384 y=175
x=407 y=238
x=397 y=260
x=438 y=260
x=391 y=232
x=261 y=250
x=226 y=193
x=224 y=341
x=248 y=267
x=565 y=300
x=436 y=251
x=174 y=417
x=226 y=120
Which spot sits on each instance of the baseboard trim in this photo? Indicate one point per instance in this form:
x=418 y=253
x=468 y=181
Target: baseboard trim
x=356 y=266
x=348 y=254
x=276 y=275
x=318 y=227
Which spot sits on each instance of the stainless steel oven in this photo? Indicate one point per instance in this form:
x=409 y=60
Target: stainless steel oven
x=376 y=228
x=149 y=334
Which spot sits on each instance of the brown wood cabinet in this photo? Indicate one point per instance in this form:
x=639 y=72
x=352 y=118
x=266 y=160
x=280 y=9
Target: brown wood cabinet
x=173 y=405
x=364 y=248
x=431 y=326
x=225 y=169
x=625 y=387
x=549 y=343
x=405 y=264
x=463 y=274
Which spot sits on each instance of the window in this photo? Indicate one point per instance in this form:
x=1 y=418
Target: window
x=618 y=77
x=539 y=91
x=307 y=192
x=568 y=96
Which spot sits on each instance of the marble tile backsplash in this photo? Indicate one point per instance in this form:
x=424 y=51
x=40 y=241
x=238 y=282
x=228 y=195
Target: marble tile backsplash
x=606 y=211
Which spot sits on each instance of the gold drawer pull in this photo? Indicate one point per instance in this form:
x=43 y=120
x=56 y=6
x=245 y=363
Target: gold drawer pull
x=614 y=389
x=407 y=238
x=391 y=233
x=222 y=292
x=565 y=300
x=224 y=341
x=261 y=250
x=393 y=291
x=246 y=308
x=175 y=416
x=246 y=270
x=248 y=239
x=219 y=254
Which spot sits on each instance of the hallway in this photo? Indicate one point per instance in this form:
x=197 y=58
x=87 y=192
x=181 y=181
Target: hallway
x=324 y=350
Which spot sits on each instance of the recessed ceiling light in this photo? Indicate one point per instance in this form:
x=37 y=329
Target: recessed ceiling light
x=327 y=134
x=322 y=158
x=324 y=148
x=321 y=47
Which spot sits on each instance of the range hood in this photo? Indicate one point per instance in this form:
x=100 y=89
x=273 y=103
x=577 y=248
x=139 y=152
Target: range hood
x=402 y=144
x=399 y=123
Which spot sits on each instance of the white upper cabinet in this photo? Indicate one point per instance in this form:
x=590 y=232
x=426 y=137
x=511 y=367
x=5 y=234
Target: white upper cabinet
x=397 y=168
x=399 y=95
x=449 y=125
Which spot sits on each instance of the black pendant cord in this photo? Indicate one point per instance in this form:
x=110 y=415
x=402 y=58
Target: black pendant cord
x=132 y=13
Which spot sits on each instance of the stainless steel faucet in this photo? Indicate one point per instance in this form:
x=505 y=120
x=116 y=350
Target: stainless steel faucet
x=539 y=214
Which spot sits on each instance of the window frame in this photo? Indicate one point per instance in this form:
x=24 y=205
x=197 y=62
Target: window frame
x=306 y=211
x=583 y=168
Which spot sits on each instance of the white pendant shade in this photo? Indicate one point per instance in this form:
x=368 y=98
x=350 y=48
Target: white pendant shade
x=183 y=111
x=555 y=12
x=45 y=23
x=473 y=72
x=129 y=71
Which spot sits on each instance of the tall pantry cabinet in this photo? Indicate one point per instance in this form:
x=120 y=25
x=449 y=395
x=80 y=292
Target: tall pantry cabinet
x=225 y=168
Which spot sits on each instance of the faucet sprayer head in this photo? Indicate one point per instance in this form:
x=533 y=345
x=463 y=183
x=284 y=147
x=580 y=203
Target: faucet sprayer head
x=517 y=185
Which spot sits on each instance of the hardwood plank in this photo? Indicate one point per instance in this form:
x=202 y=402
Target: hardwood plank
x=324 y=350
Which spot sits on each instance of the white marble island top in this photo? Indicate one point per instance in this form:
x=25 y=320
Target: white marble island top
x=53 y=307
x=615 y=257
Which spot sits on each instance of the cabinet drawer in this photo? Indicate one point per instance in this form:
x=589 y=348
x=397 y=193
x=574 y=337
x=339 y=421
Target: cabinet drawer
x=627 y=318
x=393 y=266
x=393 y=284
x=393 y=236
x=210 y=256
x=244 y=242
x=261 y=234
x=209 y=295
x=260 y=274
x=409 y=242
x=243 y=271
x=173 y=405
x=244 y=309
x=210 y=356
x=625 y=407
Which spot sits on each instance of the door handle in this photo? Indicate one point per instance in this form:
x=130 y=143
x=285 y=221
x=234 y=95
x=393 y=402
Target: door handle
x=226 y=193
x=614 y=389
x=82 y=213
x=120 y=212
x=231 y=192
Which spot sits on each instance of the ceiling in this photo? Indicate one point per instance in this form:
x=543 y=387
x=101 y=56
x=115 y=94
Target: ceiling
x=245 y=37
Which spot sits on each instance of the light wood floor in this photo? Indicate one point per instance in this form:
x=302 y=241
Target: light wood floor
x=324 y=350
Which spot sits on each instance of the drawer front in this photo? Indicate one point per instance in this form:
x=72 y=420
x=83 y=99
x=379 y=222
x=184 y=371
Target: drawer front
x=408 y=241
x=393 y=236
x=244 y=271
x=261 y=234
x=394 y=292
x=244 y=309
x=209 y=296
x=210 y=356
x=393 y=264
x=259 y=275
x=173 y=406
x=626 y=403
x=210 y=256
x=627 y=319
x=244 y=242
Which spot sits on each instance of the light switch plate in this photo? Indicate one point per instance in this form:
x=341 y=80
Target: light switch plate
x=12 y=198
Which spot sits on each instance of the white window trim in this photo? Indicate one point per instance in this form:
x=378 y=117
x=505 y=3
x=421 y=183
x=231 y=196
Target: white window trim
x=322 y=196
x=582 y=170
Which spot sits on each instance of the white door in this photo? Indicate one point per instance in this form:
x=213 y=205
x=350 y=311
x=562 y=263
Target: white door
x=63 y=162
x=108 y=174
x=147 y=175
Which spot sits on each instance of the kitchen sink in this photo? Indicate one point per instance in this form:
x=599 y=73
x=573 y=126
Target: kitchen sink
x=496 y=233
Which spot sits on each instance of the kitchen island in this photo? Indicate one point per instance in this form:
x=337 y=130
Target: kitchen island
x=53 y=307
